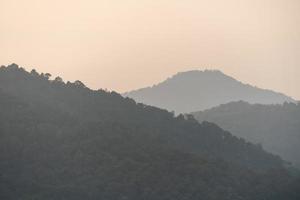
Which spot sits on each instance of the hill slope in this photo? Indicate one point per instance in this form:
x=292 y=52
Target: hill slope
x=190 y=91
x=65 y=141
x=276 y=127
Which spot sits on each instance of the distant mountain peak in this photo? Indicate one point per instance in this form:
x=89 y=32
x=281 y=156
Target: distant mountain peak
x=195 y=90
x=201 y=75
x=200 y=72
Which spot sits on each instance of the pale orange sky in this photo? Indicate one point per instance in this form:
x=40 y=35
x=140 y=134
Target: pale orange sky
x=127 y=44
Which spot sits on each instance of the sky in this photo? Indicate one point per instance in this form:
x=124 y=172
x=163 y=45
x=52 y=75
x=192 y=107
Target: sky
x=128 y=44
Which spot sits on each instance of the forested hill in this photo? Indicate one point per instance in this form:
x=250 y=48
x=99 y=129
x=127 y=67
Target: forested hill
x=192 y=91
x=64 y=141
x=275 y=127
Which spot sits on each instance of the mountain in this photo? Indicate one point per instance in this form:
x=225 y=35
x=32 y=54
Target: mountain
x=191 y=91
x=275 y=127
x=64 y=141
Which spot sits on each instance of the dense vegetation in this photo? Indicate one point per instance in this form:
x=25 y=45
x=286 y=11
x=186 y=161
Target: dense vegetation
x=191 y=91
x=64 y=141
x=275 y=127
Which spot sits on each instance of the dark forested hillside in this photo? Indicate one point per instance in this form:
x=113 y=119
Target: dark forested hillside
x=275 y=127
x=191 y=91
x=64 y=141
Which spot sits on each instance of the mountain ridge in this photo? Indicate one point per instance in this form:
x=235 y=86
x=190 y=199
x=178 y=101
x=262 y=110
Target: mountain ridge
x=275 y=127
x=194 y=90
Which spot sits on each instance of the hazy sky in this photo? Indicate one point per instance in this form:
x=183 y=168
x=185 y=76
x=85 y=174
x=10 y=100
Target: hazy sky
x=127 y=44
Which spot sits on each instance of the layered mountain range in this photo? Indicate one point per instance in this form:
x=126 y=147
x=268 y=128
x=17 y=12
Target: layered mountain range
x=65 y=141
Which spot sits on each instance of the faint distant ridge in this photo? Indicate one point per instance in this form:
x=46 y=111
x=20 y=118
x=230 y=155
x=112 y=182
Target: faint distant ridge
x=199 y=90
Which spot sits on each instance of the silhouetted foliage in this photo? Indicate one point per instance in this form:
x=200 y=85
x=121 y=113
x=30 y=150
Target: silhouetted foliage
x=58 y=80
x=79 y=84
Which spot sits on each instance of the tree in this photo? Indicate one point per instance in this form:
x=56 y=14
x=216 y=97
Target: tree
x=34 y=72
x=47 y=75
x=13 y=66
x=58 y=80
x=79 y=83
